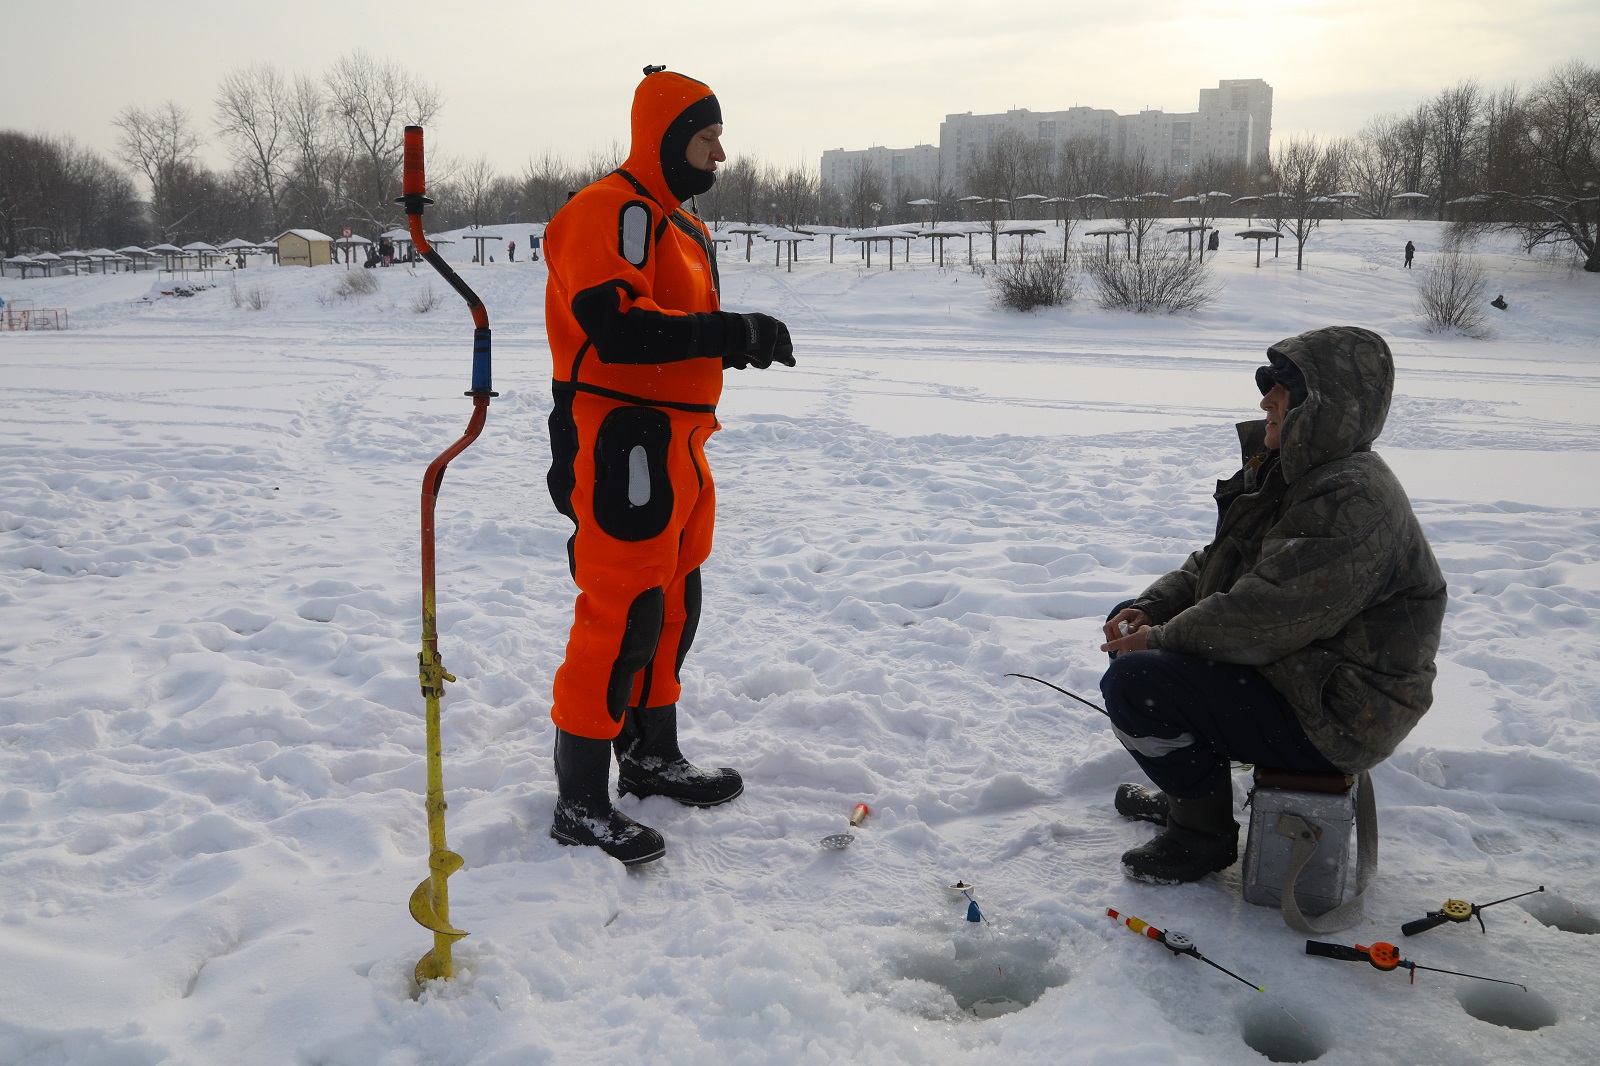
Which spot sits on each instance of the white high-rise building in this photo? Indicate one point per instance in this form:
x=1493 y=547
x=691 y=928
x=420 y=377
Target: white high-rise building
x=1233 y=122
x=900 y=170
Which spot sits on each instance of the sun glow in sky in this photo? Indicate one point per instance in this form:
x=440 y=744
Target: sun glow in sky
x=794 y=78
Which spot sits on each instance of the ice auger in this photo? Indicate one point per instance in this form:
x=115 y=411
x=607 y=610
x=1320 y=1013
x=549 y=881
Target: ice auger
x=1458 y=910
x=1387 y=957
x=430 y=903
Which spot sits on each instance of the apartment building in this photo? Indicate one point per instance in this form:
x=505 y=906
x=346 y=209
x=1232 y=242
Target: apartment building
x=1233 y=121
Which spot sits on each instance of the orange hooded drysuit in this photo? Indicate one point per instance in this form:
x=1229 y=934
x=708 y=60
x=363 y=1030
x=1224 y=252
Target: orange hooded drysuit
x=636 y=340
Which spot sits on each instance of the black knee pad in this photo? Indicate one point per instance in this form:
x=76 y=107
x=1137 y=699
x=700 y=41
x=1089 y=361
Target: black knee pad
x=632 y=492
x=691 y=624
x=639 y=638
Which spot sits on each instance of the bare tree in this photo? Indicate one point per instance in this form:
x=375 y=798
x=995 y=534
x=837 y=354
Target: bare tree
x=1375 y=165
x=546 y=180
x=319 y=165
x=1453 y=126
x=372 y=101
x=158 y=143
x=474 y=187
x=253 y=118
x=1557 y=198
x=864 y=187
x=1306 y=170
x=797 y=191
x=1133 y=177
x=1084 y=165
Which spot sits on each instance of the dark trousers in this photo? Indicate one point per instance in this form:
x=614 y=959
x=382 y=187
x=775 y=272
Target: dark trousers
x=1183 y=718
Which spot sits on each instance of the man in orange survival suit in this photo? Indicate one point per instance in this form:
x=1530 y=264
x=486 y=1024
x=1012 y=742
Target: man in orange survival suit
x=639 y=345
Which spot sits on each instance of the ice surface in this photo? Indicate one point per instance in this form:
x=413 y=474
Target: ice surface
x=211 y=748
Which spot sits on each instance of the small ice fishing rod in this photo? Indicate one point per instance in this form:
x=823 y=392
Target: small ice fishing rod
x=1058 y=688
x=1177 y=943
x=1459 y=910
x=1387 y=957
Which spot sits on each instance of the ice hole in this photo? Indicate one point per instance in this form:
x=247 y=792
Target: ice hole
x=1506 y=1005
x=1270 y=1030
x=987 y=975
x=1561 y=913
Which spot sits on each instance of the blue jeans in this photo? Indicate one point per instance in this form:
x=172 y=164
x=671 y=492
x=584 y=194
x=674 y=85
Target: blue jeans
x=1183 y=718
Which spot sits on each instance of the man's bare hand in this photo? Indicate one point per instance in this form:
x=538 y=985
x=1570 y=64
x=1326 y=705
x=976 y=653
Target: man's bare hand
x=1134 y=641
x=1125 y=622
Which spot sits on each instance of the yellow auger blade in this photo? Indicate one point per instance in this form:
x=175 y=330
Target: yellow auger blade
x=422 y=908
x=436 y=963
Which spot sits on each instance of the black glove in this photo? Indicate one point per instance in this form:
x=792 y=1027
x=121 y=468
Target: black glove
x=757 y=340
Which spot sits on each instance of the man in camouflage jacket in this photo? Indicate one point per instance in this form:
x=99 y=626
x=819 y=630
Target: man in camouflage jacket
x=1303 y=636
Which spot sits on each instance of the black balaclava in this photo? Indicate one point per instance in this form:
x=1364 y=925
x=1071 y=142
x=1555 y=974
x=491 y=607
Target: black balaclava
x=683 y=179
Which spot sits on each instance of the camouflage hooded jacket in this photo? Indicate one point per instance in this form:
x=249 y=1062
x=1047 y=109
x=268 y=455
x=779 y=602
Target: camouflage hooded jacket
x=1319 y=575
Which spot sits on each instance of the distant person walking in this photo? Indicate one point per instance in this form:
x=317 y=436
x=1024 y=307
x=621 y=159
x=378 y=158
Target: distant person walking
x=511 y=251
x=1411 y=251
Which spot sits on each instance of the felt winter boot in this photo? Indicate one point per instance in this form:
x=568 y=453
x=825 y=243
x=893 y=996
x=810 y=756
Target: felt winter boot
x=584 y=815
x=1201 y=838
x=1145 y=804
x=650 y=764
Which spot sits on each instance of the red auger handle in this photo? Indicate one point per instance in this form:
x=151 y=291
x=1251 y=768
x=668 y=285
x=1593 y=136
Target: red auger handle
x=413 y=180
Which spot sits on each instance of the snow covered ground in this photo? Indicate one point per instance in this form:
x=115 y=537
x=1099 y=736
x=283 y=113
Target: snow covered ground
x=211 y=747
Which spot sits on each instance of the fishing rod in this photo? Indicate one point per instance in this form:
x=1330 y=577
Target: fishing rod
x=1058 y=688
x=1459 y=910
x=1387 y=957
x=1177 y=943
x=430 y=902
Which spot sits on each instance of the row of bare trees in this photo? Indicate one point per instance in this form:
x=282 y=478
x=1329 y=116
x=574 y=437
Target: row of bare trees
x=321 y=152
x=56 y=194
x=325 y=152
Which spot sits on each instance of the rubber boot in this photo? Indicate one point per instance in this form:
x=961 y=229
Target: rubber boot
x=1201 y=838
x=650 y=764
x=584 y=815
x=1145 y=804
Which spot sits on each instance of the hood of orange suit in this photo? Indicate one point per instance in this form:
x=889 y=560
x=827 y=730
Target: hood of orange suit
x=668 y=110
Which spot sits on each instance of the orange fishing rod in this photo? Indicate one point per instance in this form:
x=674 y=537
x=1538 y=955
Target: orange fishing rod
x=1387 y=957
x=430 y=902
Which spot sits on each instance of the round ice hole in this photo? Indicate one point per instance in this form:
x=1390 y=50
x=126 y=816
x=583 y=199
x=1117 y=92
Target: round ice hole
x=1506 y=1005
x=1283 y=1037
x=987 y=976
x=1561 y=913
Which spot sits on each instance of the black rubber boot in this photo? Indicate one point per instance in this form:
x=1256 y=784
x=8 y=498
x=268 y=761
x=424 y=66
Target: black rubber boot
x=650 y=764
x=1145 y=804
x=1201 y=838
x=584 y=815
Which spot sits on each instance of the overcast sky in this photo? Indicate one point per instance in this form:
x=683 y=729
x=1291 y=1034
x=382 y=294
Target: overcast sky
x=518 y=76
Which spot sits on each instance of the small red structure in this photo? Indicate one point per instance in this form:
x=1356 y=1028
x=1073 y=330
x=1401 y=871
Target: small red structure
x=49 y=318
